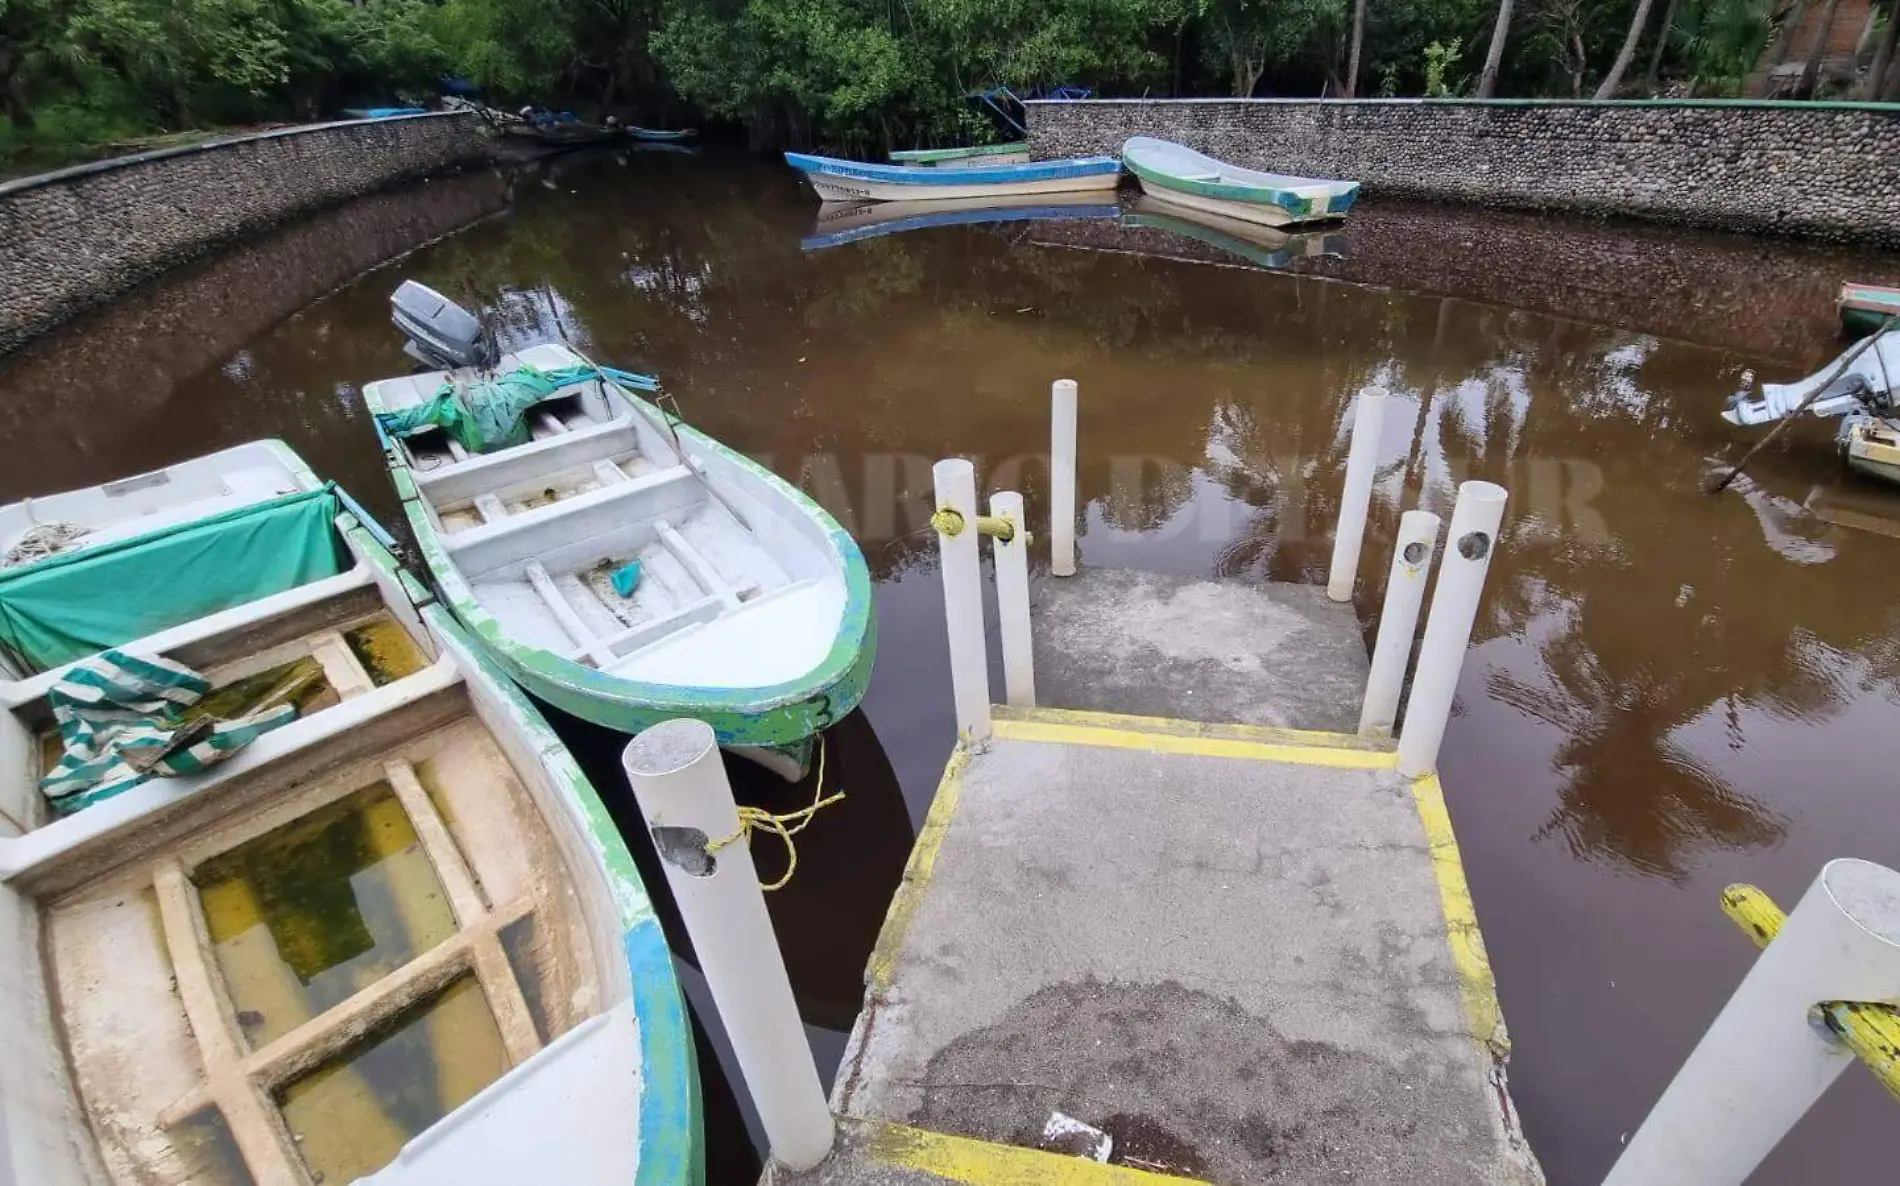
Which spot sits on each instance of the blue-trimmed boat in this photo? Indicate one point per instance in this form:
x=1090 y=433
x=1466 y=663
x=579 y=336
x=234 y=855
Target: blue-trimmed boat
x=1176 y=174
x=839 y=224
x=856 y=181
x=660 y=135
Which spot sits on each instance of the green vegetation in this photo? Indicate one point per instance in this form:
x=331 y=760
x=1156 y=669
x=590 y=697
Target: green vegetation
x=855 y=74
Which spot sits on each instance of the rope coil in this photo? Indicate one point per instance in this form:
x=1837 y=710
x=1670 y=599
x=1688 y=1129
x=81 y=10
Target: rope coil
x=783 y=826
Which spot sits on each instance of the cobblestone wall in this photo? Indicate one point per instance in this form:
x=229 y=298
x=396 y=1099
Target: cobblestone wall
x=1818 y=170
x=1766 y=299
x=81 y=236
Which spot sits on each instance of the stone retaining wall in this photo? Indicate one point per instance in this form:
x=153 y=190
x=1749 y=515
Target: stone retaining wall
x=1818 y=170
x=1766 y=300
x=83 y=235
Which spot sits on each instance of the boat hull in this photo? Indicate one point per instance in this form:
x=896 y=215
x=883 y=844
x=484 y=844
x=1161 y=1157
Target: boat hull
x=1257 y=213
x=660 y=136
x=1871 y=449
x=1865 y=308
x=853 y=181
x=779 y=718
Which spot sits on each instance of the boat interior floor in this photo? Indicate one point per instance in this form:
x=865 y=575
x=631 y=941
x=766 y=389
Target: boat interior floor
x=541 y=530
x=289 y=972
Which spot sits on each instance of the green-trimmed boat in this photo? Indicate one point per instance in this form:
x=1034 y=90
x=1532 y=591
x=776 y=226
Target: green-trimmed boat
x=1176 y=174
x=1014 y=153
x=1865 y=308
x=628 y=569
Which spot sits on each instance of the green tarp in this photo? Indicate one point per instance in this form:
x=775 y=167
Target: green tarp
x=80 y=603
x=484 y=416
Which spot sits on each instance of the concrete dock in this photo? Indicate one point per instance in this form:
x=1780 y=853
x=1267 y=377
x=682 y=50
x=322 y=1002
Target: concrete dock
x=1242 y=948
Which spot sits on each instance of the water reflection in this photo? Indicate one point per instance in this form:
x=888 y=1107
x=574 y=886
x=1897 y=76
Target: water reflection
x=1668 y=690
x=839 y=223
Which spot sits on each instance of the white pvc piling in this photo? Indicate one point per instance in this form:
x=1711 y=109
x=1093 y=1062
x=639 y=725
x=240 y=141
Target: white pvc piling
x=1441 y=655
x=1062 y=406
x=1362 y=462
x=1763 y=1063
x=680 y=783
x=963 y=599
x=1404 y=594
x=1012 y=601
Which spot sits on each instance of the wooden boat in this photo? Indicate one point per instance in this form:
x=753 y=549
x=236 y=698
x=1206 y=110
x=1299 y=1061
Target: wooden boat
x=1176 y=174
x=1865 y=308
x=1015 y=152
x=855 y=181
x=840 y=222
x=1257 y=243
x=752 y=607
x=380 y=943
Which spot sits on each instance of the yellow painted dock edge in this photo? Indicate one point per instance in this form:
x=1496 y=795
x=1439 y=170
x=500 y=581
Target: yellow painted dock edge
x=1299 y=753
x=1173 y=726
x=980 y=1163
x=1476 y=985
x=917 y=871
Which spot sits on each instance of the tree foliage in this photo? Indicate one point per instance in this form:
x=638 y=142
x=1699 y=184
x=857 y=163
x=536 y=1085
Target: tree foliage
x=861 y=75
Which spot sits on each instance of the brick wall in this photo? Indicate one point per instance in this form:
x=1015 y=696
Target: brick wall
x=1817 y=170
x=80 y=236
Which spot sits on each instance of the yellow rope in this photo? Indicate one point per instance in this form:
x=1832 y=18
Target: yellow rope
x=783 y=826
x=1871 y=1029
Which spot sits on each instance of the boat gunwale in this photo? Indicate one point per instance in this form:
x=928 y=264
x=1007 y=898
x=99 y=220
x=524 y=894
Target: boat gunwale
x=908 y=156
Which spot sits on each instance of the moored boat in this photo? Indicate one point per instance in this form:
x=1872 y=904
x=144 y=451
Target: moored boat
x=379 y=937
x=629 y=569
x=1870 y=445
x=840 y=222
x=856 y=181
x=1013 y=153
x=661 y=135
x=1865 y=308
x=1178 y=175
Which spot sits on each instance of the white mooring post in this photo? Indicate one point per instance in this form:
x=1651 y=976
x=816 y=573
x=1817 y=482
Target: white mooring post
x=1362 y=462
x=1473 y=538
x=1763 y=1063
x=681 y=787
x=1404 y=593
x=1062 y=404
x=963 y=599
x=1012 y=601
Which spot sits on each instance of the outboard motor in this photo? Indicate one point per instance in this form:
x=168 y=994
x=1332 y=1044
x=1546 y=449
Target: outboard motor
x=442 y=335
x=1858 y=380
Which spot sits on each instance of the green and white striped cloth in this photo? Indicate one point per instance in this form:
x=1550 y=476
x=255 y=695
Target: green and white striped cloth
x=122 y=720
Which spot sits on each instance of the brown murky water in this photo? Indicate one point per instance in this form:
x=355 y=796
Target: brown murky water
x=1668 y=691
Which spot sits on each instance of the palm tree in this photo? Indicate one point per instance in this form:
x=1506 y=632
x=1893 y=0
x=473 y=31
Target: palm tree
x=1627 y=54
x=1358 y=39
x=1494 y=56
